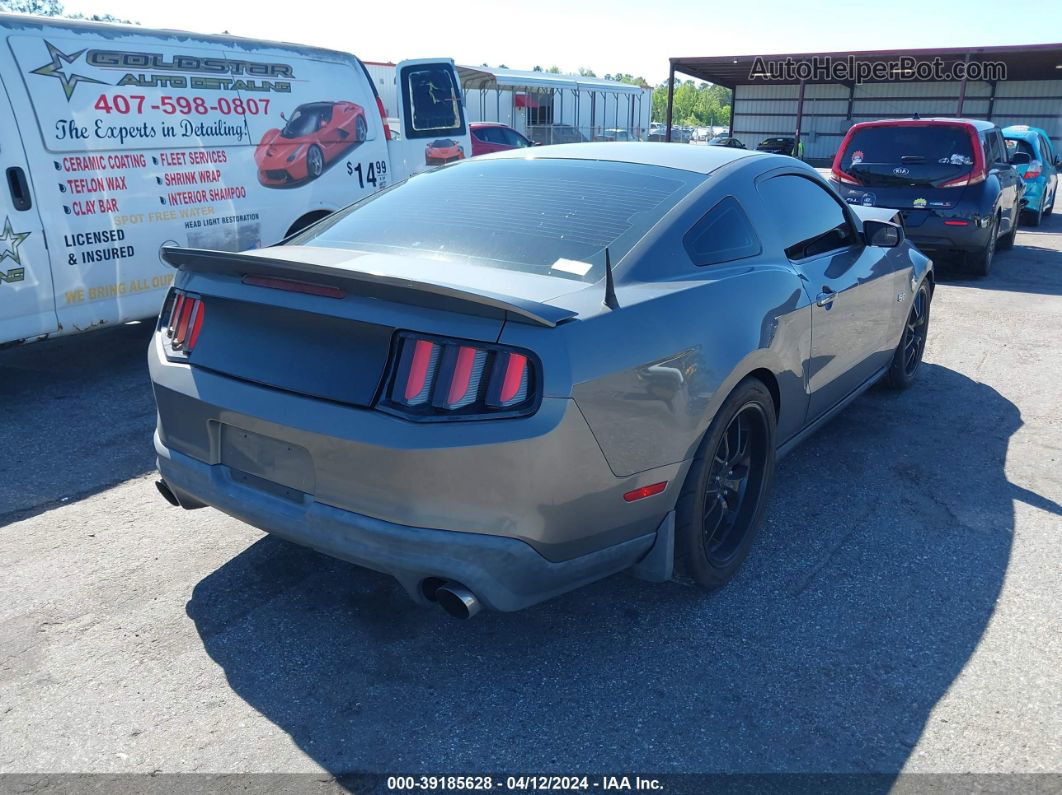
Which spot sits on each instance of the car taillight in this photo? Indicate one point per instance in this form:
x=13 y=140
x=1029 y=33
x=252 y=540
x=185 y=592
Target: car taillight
x=184 y=322
x=437 y=379
x=1033 y=170
x=847 y=179
x=383 y=116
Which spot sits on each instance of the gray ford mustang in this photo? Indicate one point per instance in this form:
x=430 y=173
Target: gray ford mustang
x=515 y=375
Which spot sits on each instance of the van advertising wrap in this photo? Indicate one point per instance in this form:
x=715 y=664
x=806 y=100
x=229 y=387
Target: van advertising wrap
x=149 y=143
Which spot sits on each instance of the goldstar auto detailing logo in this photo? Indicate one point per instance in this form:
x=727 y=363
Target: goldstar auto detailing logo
x=57 y=68
x=10 y=240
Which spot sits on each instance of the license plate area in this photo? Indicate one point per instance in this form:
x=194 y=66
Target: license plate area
x=266 y=461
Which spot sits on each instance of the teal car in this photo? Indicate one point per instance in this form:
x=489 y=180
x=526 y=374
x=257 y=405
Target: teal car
x=1040 y=174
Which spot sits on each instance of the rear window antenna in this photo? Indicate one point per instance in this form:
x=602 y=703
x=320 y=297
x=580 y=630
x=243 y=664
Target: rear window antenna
x=610 y=285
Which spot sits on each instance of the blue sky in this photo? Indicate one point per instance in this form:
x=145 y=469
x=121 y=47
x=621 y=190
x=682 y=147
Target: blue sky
x=604 y=35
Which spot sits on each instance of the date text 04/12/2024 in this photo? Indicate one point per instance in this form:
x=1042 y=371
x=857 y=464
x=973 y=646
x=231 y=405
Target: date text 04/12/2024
x=523 y=783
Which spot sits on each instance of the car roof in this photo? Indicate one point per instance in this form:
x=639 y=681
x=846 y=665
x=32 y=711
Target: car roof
x=487 y=124
x=1023 y=131
x=698 y=159
x=978 y=124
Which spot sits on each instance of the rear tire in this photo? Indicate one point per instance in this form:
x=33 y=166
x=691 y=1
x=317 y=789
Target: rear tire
x=981 y=262
x=723 y=499
x=1007 y=241
x=1050 y=208
x=908 y=357
x=1033 y=217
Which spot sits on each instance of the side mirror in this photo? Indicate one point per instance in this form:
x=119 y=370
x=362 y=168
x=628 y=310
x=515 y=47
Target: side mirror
x=882 y=234
x=282 y=116
x=1058 y=161
x=1020 y=159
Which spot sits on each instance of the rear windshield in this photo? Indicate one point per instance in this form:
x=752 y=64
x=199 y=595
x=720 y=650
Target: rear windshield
x=908 y=155
x=552 y=217
x=432 y=101
x=1020 y=145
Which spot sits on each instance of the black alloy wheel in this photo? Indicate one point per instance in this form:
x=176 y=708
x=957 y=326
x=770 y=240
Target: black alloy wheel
x=721 y=506
x=908 y=357
x=735 y=474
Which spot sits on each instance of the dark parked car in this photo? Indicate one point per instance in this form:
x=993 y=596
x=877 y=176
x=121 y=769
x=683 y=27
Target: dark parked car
x=489 y=136
x=726 y=140
x=779 y=145
x=523 y=372
x=951 y=178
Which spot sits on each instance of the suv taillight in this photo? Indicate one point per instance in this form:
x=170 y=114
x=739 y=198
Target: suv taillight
x=184 y=321
x=434 y=378
x=966 y=179
x=1033 y=170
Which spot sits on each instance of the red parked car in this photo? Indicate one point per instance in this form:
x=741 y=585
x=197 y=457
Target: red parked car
x=489 y=136
x=312 y=139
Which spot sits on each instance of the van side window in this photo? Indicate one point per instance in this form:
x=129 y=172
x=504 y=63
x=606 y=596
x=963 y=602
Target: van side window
x=724 y=234
x=810 y=220
x=432 y=101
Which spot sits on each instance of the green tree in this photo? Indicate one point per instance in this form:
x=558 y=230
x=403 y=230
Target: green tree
x=695 y=105
x=54 y=8
x=554 y=70
x=584 y=72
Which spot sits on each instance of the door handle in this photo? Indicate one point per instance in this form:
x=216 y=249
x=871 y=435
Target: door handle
x=825 y=298
x=19 y=187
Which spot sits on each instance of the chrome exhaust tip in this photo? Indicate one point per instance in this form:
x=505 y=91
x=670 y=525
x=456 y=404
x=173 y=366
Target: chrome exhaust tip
x=457 y=600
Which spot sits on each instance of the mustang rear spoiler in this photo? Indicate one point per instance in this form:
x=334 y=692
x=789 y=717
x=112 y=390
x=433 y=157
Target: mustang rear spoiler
x=422 y=293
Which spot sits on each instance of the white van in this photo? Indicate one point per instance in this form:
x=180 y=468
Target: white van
x=117 y=141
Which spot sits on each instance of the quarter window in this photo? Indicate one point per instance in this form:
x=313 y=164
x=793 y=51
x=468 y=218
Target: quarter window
x=809 y=219
x=724 y=234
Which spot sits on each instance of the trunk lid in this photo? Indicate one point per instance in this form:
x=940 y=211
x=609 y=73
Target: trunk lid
x=320 y=321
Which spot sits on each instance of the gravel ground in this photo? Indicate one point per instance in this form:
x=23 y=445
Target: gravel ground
x=901 y=611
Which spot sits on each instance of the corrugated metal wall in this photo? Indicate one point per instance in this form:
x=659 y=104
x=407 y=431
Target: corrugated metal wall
x=762 y=110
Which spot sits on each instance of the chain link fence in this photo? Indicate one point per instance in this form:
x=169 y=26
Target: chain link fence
x=547 y=134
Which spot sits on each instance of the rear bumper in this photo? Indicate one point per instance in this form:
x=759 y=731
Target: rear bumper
x=505 y=573
x=934 y=235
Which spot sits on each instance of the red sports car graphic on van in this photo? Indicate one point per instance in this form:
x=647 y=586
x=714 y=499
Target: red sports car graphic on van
x=316 y=134
x=443 y=150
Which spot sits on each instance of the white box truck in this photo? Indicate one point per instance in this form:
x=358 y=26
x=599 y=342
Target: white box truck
x=117 y=141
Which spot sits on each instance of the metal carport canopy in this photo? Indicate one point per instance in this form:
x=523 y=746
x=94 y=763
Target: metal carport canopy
x=1023 y=62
